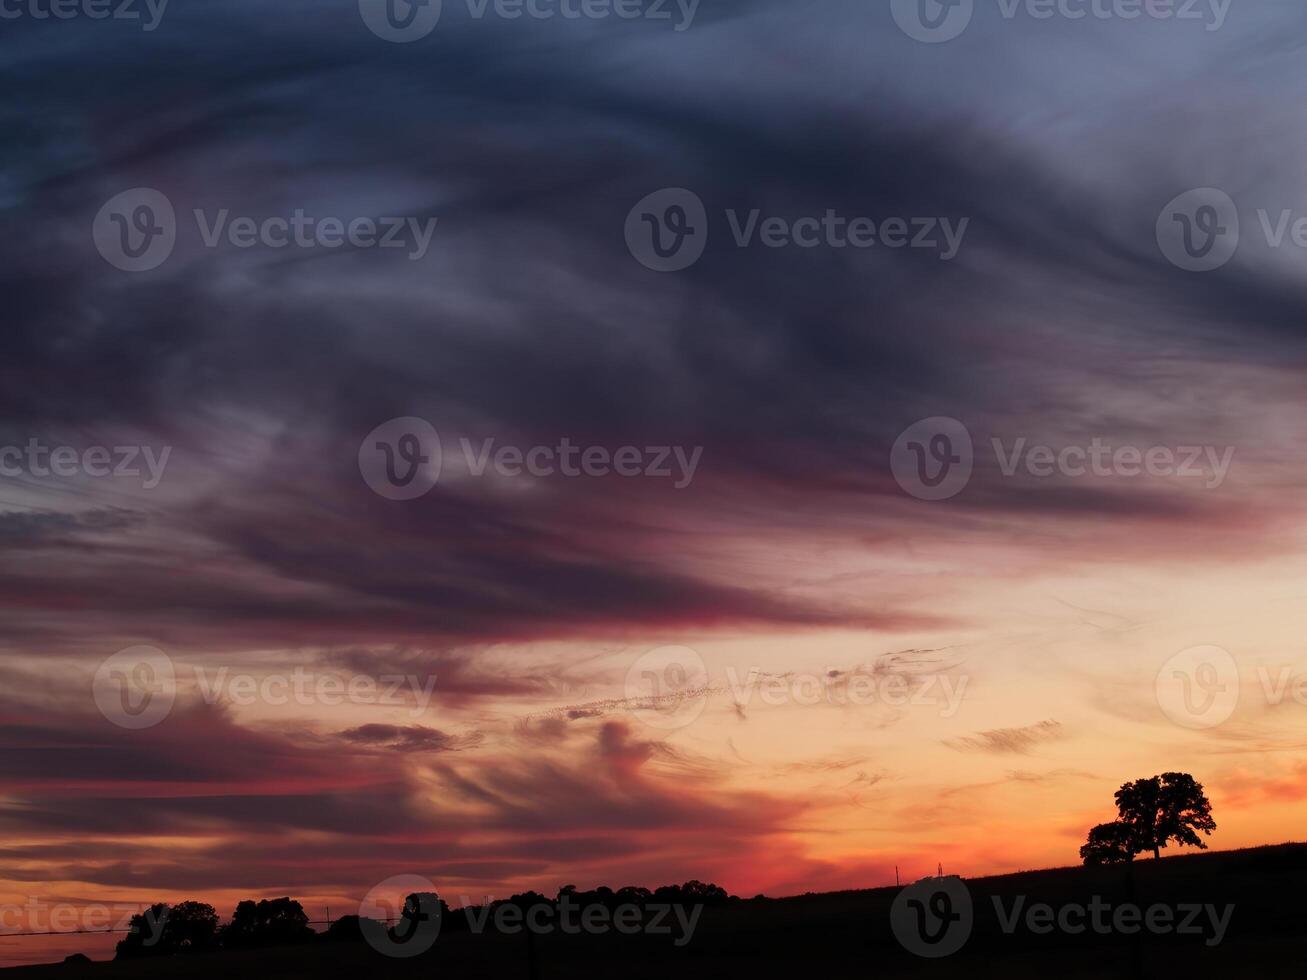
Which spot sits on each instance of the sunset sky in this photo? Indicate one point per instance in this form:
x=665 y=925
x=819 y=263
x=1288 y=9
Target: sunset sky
x=1028 y=617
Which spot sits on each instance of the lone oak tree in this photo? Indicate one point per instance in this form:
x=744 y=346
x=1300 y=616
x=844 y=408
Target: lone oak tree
x=1152 y=813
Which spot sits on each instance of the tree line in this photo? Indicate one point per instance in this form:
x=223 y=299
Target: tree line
x=187 y=927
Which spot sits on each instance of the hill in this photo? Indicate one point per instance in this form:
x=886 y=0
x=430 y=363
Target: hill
x=1235 y=913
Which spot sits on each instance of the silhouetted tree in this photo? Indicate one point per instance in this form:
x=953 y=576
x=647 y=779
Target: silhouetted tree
x=419 y=907
x=1109 y=843
x=144 y=935
x=631 y=895
x=1150 y=814
x=191 y=926
x=705 y=892
x=692 y=893
x=1169 y=807
x=271 y=922
x=163 y=931
x=349 y=929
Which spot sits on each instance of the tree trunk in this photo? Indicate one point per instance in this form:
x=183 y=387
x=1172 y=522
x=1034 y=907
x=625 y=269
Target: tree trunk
x=1157 y=853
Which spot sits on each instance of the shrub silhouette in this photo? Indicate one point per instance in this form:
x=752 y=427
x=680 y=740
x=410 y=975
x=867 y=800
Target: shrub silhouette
x=1150 y=814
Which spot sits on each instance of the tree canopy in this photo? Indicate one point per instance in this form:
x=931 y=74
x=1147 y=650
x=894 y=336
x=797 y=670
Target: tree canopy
x=1151 y=813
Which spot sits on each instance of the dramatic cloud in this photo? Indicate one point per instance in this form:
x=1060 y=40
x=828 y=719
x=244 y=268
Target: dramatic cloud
x=520 y=604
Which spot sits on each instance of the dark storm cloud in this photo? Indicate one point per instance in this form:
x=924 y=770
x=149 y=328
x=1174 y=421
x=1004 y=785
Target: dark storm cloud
x=795 y=369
